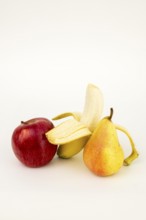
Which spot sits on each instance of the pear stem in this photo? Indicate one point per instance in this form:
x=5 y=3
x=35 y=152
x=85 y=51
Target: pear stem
x=111 y=113
x=134 y=154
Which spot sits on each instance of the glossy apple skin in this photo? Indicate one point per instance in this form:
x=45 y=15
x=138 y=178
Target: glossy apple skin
x=30 y=144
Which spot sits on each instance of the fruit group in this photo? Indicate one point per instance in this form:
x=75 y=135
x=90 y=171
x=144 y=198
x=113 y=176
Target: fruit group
x=30 y=144
x=103 y=154
x=35 y=141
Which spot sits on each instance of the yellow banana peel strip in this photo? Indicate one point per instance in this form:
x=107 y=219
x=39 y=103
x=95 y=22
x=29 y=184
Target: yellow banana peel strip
x=75 y=115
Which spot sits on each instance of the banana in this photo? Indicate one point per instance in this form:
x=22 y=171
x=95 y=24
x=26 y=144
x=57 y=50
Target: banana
x=72 y=135
x=67 y=132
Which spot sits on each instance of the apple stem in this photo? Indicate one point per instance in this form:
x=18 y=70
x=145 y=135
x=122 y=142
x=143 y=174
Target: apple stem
x=23 y=122
x=134 y=154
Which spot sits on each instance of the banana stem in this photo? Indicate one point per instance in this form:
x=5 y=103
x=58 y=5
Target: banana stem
x=134 y=154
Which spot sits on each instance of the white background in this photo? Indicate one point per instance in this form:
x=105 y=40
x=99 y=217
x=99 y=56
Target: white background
x=49 y=52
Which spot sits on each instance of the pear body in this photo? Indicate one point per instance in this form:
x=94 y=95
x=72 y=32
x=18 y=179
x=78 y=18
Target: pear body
x=103 y=154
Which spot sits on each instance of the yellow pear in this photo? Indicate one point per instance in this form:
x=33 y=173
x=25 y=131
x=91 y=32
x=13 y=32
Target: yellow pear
x=103 y=154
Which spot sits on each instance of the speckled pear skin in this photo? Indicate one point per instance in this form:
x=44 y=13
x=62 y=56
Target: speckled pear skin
x=103 y=154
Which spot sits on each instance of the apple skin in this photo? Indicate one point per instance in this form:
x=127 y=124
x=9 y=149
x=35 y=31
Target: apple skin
x=30 y=144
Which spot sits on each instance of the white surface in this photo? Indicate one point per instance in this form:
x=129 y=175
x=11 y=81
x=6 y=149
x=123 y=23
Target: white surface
x=49 y=52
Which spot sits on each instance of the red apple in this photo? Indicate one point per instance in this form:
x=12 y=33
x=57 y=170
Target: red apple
x=30 y=144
